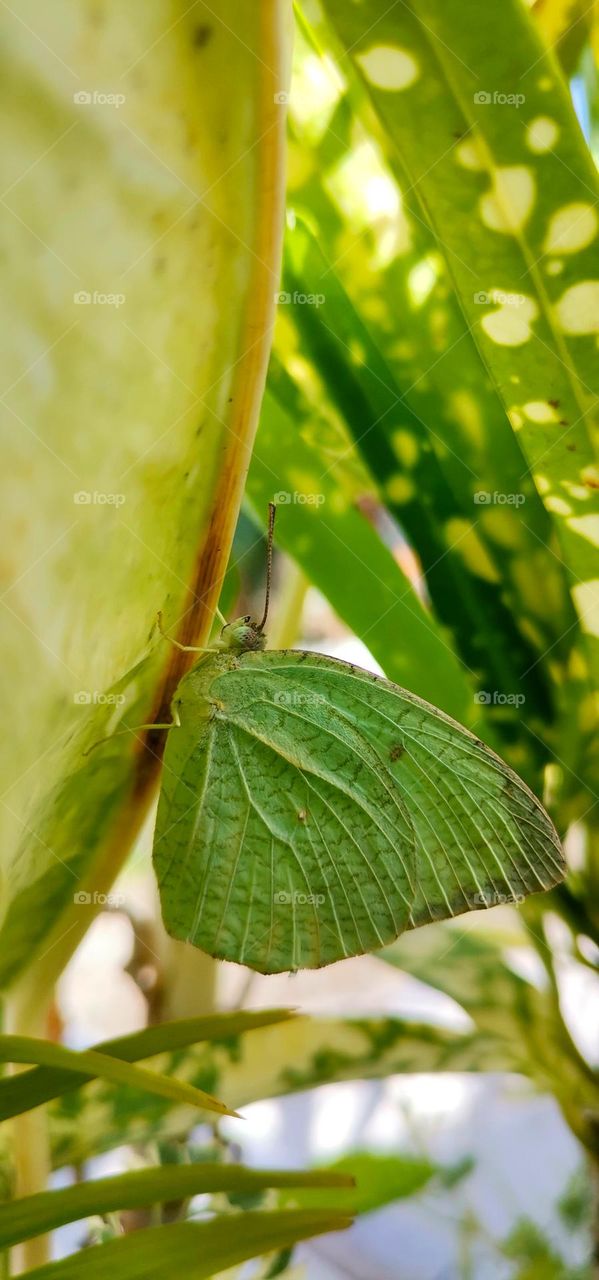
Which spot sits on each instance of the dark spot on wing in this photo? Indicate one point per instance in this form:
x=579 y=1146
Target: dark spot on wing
x=397 y=751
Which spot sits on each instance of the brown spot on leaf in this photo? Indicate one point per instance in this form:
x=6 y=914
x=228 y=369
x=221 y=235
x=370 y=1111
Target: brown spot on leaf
x=397 y=751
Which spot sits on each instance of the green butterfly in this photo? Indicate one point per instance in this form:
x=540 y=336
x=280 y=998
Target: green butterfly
x=311 y=811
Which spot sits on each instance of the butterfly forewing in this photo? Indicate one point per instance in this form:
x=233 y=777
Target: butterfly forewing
x=281 y=840
x=314 y=811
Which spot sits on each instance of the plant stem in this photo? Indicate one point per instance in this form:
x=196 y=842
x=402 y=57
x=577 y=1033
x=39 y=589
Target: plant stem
x=31 y=1141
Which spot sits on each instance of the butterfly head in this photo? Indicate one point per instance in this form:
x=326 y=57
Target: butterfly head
x=242 y=635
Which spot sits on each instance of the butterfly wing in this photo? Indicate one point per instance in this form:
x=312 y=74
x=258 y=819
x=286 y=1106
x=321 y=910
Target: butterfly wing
x=482 y=837
x=281 y=839
x=319 y=780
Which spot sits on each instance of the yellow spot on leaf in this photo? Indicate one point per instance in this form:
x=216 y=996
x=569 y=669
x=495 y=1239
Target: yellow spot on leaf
x=587 y=527
x=463 y=538
x=590 y=477
x=507 y=206
x=586 y=597
x=469 y=155
x=540 y=411
x=510 y=326
x=558 y=505
x=405 y=447
x=388 y=67
x=542 y=134
x=399 y=489
x=578 y=308
x=554 y=267
x=571 y=228
x=503 y=526
x=466 y=411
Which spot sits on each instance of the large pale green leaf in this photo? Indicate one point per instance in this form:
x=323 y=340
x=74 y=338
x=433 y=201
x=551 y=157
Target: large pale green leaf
x=195 y=1250
x=34 y=1215
x=141 y=222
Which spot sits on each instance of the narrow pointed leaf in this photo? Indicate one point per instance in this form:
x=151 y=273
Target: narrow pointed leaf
x=34 y=1215
x=42 y=1052
x=19 y=1093
x=195 y=1250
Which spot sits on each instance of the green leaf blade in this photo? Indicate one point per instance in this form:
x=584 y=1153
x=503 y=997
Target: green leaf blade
x=27 y=1049
x=195 y=1250
x=37 y=1214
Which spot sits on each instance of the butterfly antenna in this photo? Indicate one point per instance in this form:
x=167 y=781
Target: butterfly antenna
x=272 y=511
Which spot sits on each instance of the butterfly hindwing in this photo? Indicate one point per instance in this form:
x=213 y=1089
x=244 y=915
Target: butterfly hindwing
x=308 y=778
x=281 y=840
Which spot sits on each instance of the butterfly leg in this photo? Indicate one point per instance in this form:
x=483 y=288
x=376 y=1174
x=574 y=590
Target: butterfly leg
x=175 y=723
x=185 y=648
